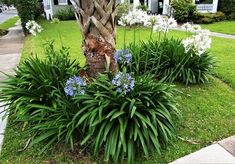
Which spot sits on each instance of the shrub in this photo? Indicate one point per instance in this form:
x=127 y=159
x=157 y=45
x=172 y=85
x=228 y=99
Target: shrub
x=36 y=96
x=3 y=32
x=228 y=7
x=167 y=59
x=142 y=7
x=55 y=21
x=126 y=124
x=27 y=10
x=65 y=14
x=123 y=8
x=207 y=18
x=182 y=9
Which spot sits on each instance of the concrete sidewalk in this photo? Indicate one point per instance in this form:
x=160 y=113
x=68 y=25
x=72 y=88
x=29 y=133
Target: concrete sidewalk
x=10 y=50
x=215 y=34
x=221 y=153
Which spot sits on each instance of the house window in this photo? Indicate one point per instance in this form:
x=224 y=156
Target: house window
x=47 y=5
x=63 y=2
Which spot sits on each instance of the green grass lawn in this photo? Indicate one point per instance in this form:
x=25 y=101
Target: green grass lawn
x=9 y=23
x=208 y=113
x=226 y=27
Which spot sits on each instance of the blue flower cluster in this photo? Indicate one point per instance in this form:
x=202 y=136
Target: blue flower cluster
x=123 y=56
x=75 y=86
x=124 y=82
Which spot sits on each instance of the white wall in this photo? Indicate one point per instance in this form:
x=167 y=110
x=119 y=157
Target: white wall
x=136 y=3
x=215 y=5
x=166 y=4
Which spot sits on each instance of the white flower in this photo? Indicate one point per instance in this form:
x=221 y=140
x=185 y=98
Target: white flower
x=167 y=24
x=187 y=26
x=123 y=21
x=196 y=28
x=133 y=17
x=33 y=27
x=152 y=20
x=198 y=43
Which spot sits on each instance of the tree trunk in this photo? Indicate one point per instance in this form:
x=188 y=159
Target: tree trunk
x=96 y=21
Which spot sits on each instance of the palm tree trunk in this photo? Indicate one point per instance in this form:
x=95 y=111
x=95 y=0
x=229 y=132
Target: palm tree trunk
x=96 y=21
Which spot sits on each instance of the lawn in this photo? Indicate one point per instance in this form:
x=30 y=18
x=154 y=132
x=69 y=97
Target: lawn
x=208 y=113
x=226 y=27
x=9 y=23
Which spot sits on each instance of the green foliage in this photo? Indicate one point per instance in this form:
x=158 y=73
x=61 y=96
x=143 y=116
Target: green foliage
x=55 y=20
x=142 y=7
x=36 y=97
x=27 y=10
x=167 y=59
x=7 y=2
x=182 y=9
x=3 y=32
x=65 y=14
x=126 y=125
x=207 y=18
x=123 y=8
x=9 y=23
x=228 y=7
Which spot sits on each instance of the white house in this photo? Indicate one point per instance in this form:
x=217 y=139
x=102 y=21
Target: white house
x=163 y=6
x=207 y=8
x=155 y=6
x=52 y=6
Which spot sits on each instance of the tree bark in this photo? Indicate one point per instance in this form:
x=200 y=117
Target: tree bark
x=97 y=25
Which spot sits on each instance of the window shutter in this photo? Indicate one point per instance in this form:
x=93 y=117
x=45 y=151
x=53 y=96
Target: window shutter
x=56 y=2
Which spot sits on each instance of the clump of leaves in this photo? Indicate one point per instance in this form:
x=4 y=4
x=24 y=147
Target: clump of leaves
x=126 y=124
x=166 y=59
x=35 y=95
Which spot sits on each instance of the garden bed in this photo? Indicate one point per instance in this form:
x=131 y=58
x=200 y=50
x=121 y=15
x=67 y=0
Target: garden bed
x=206 y=109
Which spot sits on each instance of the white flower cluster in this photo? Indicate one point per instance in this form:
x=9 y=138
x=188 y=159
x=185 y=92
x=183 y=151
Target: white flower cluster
x=198 y=43
x=157 y=22
x=191 y=28
x=133 y=17
x=33 y=27
x=165 y=24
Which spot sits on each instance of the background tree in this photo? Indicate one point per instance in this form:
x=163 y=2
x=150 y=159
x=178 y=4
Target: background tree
x=27 y=10
x=7 y=2
x=97 y=24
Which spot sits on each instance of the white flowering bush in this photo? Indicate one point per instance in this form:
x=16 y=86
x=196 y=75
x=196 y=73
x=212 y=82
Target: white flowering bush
x=33 y=27
x=157 y=23
x=133 y=17
x=199 y=43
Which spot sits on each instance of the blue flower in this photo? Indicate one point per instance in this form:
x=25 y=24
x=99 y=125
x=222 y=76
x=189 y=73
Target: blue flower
x=124 y=82
x=75 y=86
x=123 y=56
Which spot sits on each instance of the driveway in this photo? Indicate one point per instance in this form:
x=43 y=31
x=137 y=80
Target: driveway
x=5 y=15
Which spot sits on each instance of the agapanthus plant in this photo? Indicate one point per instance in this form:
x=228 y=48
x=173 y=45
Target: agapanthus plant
x=75 y=86
x=133 y=18
x=124 y=82
x=33 y=27
x=151 y=21
x=198 y=43
x=123 y=56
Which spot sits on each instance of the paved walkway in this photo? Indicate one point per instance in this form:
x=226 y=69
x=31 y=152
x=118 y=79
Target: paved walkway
x=10 y=50
x=215 y=34
x=221 y=153
x=5 y=15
